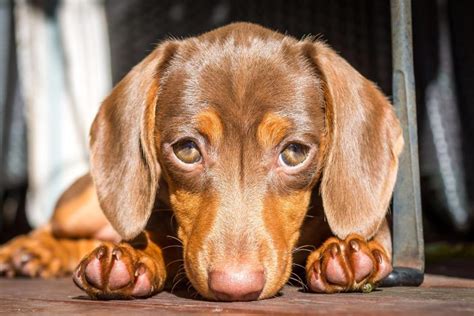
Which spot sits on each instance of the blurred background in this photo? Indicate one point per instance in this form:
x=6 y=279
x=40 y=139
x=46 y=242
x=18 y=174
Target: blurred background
x=59 y=59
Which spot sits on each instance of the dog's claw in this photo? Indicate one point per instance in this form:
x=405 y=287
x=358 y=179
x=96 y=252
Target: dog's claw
x=100 y=252
x=354 y=245
x=347 y=265
x=141 y=270
x=117 y=254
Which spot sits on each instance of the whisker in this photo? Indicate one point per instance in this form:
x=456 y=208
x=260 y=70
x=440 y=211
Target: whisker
x=299 y=266
x=179 y=281
x=175 y=238
x=174 y=261
x=172 y=246
x=300 y=281
x=305 y=287
x=298 y=284
x=190 y=286
x=291 y=281
x=181 y=270
x=304 y=248
x=178 y=275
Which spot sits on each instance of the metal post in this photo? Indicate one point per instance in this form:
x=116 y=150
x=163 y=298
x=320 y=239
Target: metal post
x=5 y=43
x=408 y=247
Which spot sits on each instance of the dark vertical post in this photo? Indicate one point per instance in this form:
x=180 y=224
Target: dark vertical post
x=5 y=43
x=408 y=248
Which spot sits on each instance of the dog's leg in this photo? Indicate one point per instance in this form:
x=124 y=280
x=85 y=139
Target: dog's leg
x=352 y=264
x=122 y=271
x=55 y=249
x=40 y=254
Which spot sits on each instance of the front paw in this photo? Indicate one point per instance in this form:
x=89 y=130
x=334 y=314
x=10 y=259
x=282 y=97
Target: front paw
x=35 y=255
x=119 y=272
x=347 y=265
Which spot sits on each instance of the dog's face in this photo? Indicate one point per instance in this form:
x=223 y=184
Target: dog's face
x=239 y=124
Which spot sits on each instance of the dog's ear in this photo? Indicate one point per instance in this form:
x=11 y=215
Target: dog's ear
x=363 y=142
x=124 y=162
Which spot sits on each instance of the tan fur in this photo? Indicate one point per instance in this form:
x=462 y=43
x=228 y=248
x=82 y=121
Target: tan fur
x=82 y=198
x=209 y=124
x=283 y=216
x=193 y=228
x=272 y=130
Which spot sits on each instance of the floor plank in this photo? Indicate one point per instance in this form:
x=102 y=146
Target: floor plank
x=438 y=296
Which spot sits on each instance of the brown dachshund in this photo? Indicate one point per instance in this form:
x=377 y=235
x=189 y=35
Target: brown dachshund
x=236 y=155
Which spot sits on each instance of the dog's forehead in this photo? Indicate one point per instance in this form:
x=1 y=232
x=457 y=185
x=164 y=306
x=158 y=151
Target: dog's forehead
x=241 y=80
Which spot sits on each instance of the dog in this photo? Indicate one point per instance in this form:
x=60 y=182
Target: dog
x=238 y=156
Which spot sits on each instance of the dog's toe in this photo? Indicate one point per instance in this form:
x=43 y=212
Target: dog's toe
x=120 y=275
x=382 y=263
x=360 y=259
x=336 y=269
x=6 y=266
x=328 y=270
x=143 y=286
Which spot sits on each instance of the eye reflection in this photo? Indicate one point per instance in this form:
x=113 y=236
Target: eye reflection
x=187 y=151
x=294 y=154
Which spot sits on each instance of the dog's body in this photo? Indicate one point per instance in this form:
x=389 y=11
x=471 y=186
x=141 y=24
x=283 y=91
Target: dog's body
x=246 y=144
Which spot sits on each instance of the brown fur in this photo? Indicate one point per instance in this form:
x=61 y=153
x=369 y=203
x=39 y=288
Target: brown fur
x=242 y=93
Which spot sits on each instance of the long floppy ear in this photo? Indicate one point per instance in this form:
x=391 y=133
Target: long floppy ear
x=124 y=163
x=364 y=140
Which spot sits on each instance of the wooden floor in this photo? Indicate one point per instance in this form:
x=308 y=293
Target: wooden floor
x=437 y=296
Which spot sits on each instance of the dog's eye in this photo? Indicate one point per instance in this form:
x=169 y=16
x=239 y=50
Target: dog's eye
x=294 y=154
x=187 y=151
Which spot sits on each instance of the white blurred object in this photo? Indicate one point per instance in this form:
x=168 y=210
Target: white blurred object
x=444 y=124
x=65 y=72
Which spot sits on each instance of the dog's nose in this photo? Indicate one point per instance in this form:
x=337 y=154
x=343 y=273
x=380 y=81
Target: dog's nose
x=239 y=283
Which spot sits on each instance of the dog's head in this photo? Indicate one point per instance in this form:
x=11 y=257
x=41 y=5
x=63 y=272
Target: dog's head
x=240 y=124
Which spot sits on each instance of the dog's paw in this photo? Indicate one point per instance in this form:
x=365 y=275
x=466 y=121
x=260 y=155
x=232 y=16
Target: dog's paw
x=120 y=271
x=34 y=255
x=347 y=265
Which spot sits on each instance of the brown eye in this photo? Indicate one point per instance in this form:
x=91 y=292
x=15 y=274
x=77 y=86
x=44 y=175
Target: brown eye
x=294 y=154
x=187 y=151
